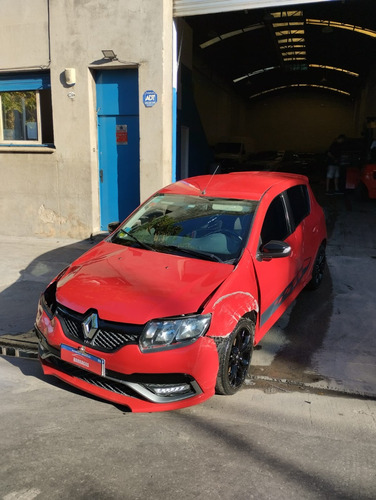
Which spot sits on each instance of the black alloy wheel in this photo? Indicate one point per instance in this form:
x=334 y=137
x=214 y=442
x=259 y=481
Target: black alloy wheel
x=235 y=354
x=318 y=269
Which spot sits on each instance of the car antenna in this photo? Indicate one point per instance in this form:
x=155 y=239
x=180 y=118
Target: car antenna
x=213 y=174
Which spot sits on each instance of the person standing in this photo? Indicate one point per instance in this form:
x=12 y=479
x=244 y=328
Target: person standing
x=334 y=154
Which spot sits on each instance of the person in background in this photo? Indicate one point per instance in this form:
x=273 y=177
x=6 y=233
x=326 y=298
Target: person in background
x=334 y=154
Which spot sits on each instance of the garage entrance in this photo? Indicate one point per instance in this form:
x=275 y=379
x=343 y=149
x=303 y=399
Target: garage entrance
x=118 y=143
x=272 y=76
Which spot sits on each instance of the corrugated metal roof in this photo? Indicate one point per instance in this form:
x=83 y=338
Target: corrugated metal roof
x=197 y=7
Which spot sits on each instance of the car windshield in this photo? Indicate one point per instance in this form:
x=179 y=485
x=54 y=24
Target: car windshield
x=208 y=228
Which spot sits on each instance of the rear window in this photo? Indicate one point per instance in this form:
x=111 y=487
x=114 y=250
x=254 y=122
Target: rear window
x=299 y=202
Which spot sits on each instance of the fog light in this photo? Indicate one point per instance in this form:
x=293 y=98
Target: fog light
x=163 y=390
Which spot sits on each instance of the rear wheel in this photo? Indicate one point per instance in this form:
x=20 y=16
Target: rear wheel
x=318 y=269
x=235 y=355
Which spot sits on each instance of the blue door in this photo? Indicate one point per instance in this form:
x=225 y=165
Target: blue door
x=118 y=143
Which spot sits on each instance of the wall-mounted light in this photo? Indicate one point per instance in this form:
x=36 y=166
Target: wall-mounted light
x=70 y=76
x=109 y=54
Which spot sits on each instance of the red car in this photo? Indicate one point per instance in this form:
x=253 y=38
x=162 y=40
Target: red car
x=366 y=187
x=167 y=309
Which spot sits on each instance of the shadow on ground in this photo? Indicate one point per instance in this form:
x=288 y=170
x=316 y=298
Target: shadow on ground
x=18 y=301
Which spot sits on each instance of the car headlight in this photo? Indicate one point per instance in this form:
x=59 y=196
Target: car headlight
x=48 y=298
x=45 y=320
x=169 y=333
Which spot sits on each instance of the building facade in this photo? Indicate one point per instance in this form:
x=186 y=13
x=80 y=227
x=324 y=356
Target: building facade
x=101 y=105
x=85 y=133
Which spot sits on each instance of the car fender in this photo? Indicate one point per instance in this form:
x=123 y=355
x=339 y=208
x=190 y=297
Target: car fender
x=234 y=299
x=228 y=310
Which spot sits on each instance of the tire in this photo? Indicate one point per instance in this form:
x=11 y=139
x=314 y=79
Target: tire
x=318 y=269
x=235 y=354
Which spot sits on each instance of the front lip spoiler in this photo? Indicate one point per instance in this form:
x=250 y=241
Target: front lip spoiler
x=117 y=383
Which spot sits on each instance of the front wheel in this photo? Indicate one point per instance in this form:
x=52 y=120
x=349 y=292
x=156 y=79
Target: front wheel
x=318 y=269
x=235 y=355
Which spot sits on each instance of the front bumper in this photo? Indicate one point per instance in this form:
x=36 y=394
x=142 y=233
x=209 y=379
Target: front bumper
x=148 y=382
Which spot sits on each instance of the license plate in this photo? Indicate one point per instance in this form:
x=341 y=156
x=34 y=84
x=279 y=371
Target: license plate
x=83 y=360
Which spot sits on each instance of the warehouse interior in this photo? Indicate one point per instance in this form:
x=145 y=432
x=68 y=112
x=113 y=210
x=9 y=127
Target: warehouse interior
x=285 y=78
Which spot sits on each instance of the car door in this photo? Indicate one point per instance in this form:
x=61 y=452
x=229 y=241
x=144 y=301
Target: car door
x=276 y=276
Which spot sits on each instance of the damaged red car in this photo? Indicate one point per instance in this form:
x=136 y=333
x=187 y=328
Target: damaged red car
x=166 y=310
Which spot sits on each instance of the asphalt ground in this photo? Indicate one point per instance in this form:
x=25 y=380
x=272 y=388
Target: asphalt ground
x=59 y=444
x=324 y=342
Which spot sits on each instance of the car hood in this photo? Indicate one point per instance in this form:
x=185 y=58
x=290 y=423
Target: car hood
x=133 y=285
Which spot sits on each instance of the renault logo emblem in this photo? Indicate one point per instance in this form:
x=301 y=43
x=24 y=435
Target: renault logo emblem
x=90 y=326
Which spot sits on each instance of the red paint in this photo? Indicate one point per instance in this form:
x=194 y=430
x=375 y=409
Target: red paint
x=134 y=285
x=362 y=178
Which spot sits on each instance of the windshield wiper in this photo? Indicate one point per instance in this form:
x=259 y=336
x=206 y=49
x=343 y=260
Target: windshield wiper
x=134 y=238
x=192 y=253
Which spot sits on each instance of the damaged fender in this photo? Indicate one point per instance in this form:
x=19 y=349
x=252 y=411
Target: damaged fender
x=228 y=310
x=233 y=299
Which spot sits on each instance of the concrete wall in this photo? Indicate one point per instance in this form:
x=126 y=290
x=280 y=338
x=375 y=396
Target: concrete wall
x=301 y=121
x=223 y=114
x=56 y=193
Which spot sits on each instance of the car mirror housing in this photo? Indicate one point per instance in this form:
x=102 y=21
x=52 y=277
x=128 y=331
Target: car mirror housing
x=274 y=249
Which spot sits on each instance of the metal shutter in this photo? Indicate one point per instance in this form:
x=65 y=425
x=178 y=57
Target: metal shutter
x=196 y=7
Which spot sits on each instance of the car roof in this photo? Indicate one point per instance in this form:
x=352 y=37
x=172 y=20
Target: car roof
x=237 y=185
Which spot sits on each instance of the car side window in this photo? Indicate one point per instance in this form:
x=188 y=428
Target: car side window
x=299 y=203
x=275 y=225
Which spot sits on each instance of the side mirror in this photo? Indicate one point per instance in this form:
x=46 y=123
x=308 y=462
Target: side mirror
x=112 y=226
x=274 y=249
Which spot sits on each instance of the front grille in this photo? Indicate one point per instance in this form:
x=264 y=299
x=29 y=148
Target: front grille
x=109 y=336
x=92 y=378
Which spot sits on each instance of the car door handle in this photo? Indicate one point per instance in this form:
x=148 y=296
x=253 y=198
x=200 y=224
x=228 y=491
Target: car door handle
x=101 y=175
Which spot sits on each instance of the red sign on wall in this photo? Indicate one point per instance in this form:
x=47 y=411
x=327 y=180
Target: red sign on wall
x=121 y=134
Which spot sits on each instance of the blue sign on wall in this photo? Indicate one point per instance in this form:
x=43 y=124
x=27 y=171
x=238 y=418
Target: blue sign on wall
x=149 y=98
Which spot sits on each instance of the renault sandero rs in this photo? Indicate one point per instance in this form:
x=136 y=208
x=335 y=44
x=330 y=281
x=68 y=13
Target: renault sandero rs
x=167 y=309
